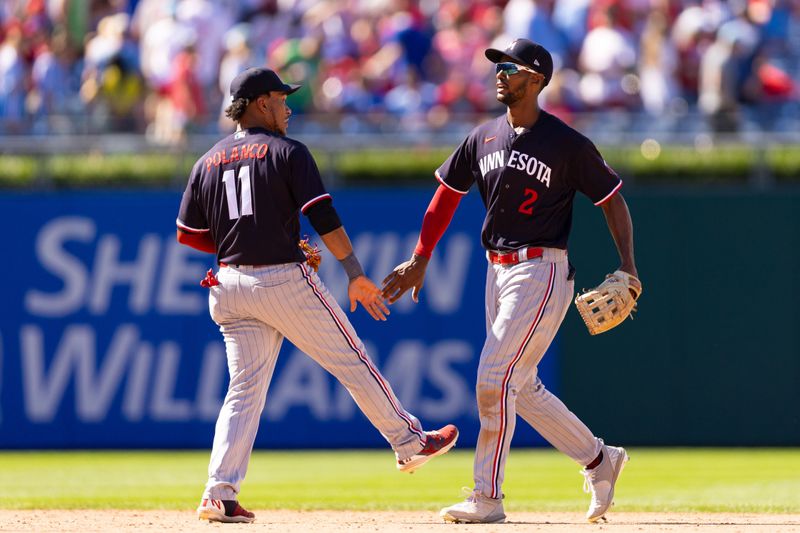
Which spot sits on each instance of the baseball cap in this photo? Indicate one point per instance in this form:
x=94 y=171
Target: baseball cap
x=526 y=53
x=257 y=81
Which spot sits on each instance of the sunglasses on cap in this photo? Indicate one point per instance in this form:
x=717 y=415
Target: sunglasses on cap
x=509 y=69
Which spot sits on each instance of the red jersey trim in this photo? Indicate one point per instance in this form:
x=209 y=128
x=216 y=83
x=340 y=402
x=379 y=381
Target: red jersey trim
x=313 y=201
x=439 y=178
x=609 y=195
x=188 y=229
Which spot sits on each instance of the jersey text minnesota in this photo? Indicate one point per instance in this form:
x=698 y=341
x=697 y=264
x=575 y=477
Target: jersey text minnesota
x=518 y=160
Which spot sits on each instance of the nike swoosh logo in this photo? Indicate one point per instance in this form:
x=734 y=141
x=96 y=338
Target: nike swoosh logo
x=489 y=139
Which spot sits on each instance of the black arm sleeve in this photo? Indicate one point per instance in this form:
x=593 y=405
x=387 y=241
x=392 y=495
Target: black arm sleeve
x=323 y=216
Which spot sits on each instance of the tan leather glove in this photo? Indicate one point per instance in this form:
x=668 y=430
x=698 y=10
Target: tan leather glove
x=610 y=303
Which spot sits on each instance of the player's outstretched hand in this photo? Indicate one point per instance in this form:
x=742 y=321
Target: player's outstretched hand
x=405 y=276
x=363 y=291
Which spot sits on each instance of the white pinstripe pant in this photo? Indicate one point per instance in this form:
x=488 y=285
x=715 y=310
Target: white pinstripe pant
x=525 y=305
x=256 y=307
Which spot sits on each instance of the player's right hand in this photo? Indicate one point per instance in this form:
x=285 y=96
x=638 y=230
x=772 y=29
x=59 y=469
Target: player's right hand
x=408 y=275
x=363 y=291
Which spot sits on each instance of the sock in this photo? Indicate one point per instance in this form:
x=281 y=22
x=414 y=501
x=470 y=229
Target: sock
x=230 y=507
x=596 y=462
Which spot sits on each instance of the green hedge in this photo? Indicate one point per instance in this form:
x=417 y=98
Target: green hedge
x=92 y=170
x=674 y=164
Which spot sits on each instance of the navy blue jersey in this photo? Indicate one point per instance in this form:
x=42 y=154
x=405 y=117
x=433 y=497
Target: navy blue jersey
x=248 y=192
x=528 y=181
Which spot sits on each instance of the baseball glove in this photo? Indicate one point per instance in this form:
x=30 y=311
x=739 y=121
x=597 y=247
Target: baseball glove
x=610 y=303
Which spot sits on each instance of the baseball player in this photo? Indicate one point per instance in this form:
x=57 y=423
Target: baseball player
x=242 y=203
x=527 y=165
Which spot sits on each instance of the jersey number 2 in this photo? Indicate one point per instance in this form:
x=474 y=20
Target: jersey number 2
x=527 y=206
x=229 y=179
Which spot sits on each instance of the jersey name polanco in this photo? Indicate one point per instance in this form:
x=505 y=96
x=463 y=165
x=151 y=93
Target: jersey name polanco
x=528 y=181
x=248 y=191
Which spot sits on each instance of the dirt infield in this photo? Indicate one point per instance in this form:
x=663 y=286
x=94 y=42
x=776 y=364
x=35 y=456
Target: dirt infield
x=387 y=521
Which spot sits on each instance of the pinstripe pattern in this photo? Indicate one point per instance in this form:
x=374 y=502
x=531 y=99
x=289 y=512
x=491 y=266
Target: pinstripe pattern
x=556 y=423
x=256 y=307
x=363 y=358
x=498 y=452
x=525 y=305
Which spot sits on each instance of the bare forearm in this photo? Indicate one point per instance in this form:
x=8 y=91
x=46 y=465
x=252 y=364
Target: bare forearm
x=338 y=243
x=619 y=222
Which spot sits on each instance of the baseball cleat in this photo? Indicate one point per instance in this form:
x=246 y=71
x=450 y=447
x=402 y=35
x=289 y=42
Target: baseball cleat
x=476 y=509
x=600 y=481
x=436 y=443
x=228 y=511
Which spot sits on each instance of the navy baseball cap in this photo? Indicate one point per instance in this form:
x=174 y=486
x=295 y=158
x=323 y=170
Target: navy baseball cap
x=525 y=53
x=254 y=82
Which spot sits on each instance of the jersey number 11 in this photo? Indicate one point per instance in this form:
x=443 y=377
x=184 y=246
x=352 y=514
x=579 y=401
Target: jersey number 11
x=228 y=178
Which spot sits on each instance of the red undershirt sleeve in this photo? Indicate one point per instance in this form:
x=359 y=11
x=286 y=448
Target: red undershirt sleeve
x=437 y=218
x=198 y=241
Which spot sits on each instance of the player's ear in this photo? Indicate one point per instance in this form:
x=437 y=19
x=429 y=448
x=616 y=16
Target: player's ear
x=263 y=102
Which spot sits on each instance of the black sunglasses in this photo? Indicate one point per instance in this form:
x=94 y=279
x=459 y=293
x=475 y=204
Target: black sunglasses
x=509 y=69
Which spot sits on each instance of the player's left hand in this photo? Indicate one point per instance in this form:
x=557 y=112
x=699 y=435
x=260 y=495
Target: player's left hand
x=363 y=291
x=610 y=303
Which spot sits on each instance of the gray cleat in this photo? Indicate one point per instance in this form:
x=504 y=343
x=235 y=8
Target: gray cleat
x=600 y=481
x=476 y=509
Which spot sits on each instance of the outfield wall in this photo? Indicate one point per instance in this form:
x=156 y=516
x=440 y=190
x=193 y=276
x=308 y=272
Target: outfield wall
x=107 y=342
x=105 y=339
x=713 y=355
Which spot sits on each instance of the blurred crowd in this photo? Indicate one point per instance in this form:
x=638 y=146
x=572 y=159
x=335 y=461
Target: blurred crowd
x=163 y=67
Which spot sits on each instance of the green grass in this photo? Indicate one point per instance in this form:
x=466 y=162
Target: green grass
x=664 y=480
